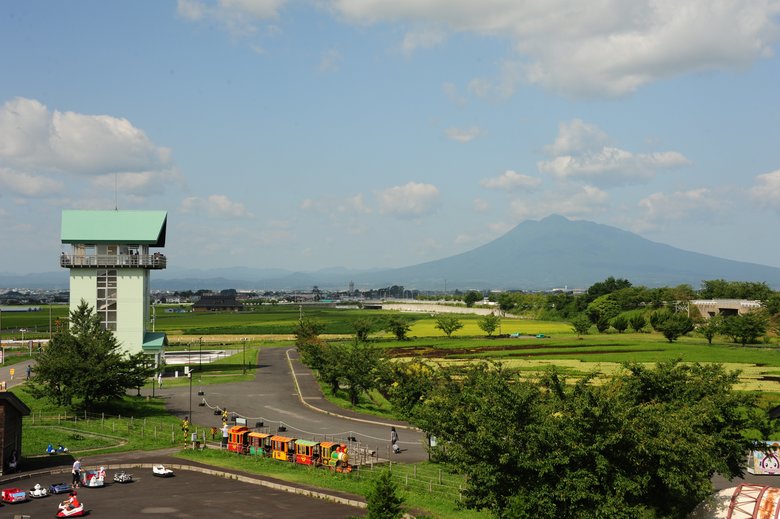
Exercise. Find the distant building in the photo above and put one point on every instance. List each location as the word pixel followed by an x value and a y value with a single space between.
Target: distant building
pixel 110 259
pixel 712 307
pixel 217 303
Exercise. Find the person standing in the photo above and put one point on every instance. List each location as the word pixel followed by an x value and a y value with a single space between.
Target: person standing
pixel 394 440
pixel 76 471
pixel 29 370
pixel 159 379
pixel 224 435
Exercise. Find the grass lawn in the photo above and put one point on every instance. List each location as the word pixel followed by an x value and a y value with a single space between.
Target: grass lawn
pixel 426 487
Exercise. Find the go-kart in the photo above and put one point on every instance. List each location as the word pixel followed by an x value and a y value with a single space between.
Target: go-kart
pixel 66 511
pixel 123 477
pixel 161 472
pixel 59 488
pixel 13 495
pixel 59 450
pixel 93 478
pixel 38 491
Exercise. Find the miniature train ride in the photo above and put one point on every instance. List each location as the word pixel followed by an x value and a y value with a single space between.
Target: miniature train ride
pixel 332 455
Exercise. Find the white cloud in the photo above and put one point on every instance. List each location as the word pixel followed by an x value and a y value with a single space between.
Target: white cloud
pixel 587 201
pixel 510 76
pixel 602 48
pixel 511 181
pixel 463 135
pixel 424 38
pixel 216 206
pixel 28 185
pixel 664 208
pixel 330 61
pixel 34 139
pixel 451 91
pixel 584 155
pixel 576 136
pixel 38 146
pixel 335 206
pixel 143 183
pixel 237 16
pixel 767 189
pixel 481 205
pixel 408 201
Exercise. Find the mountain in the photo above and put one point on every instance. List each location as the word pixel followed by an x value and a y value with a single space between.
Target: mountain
pixel 535 255
pixel 557 252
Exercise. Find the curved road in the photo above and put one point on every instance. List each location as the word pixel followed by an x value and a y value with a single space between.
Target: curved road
pixel 272 398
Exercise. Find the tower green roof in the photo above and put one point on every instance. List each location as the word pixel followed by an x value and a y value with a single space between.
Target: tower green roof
pixel 132 227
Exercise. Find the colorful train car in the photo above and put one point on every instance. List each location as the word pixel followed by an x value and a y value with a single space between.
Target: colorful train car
pixel 238 439
pixel 307 452
pixel 282 448
pixel 260 444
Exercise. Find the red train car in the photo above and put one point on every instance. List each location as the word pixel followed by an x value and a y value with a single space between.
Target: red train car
pixel 238 439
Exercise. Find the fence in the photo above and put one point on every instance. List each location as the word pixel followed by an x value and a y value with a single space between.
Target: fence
pixel 420 479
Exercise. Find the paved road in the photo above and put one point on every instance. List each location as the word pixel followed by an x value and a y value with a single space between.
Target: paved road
pixel 189 494
pixel 272 398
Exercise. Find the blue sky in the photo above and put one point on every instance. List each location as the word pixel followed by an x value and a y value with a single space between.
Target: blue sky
pixel 378 133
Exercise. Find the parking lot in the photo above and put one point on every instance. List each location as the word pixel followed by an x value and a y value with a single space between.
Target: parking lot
pixel 188 494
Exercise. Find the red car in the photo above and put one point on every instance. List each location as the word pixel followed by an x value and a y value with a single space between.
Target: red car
pixel 13 495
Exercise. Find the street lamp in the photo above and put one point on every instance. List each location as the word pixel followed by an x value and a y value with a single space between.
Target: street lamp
pixel 189 375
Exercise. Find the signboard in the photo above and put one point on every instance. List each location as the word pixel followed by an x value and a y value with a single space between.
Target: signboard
pixel 240 421
pixel 765 462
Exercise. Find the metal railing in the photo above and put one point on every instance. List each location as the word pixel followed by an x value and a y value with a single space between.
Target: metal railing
pixel 147 261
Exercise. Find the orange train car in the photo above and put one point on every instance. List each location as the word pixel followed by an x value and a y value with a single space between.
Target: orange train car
pixel 282 448
pixel 260 444
pixel 237 439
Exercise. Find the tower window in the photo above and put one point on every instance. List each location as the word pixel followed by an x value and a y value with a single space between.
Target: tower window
pixel 107 298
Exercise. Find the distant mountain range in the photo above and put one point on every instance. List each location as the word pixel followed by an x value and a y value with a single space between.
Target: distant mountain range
pixel 535 255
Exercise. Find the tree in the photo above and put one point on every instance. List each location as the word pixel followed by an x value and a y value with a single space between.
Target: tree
pixel 637 322
pixel 448 323
pixel 358 366
pixel 472 297
pixel 746 328
pixel 83 364
pixel 644 443
pixel 602 309
pixel 580 324
pixel 676 325
pixel 620 323
pixel 398 326
pixel 489 323
pixel 606 287
pixel 382 499
pixel 710 328
pixel 307 328
pixel 363 326
pixel 505 302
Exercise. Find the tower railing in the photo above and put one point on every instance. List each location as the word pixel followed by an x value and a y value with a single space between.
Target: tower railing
pixel 155 261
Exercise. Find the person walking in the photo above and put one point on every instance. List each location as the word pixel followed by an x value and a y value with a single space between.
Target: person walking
pixel 159 379
pixel 29 370
pixel 76 471
pixel 394 440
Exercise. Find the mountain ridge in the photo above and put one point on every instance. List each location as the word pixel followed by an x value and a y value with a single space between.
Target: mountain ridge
pixel 534 255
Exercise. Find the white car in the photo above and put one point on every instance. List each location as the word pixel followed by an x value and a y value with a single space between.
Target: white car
pixel 161 472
